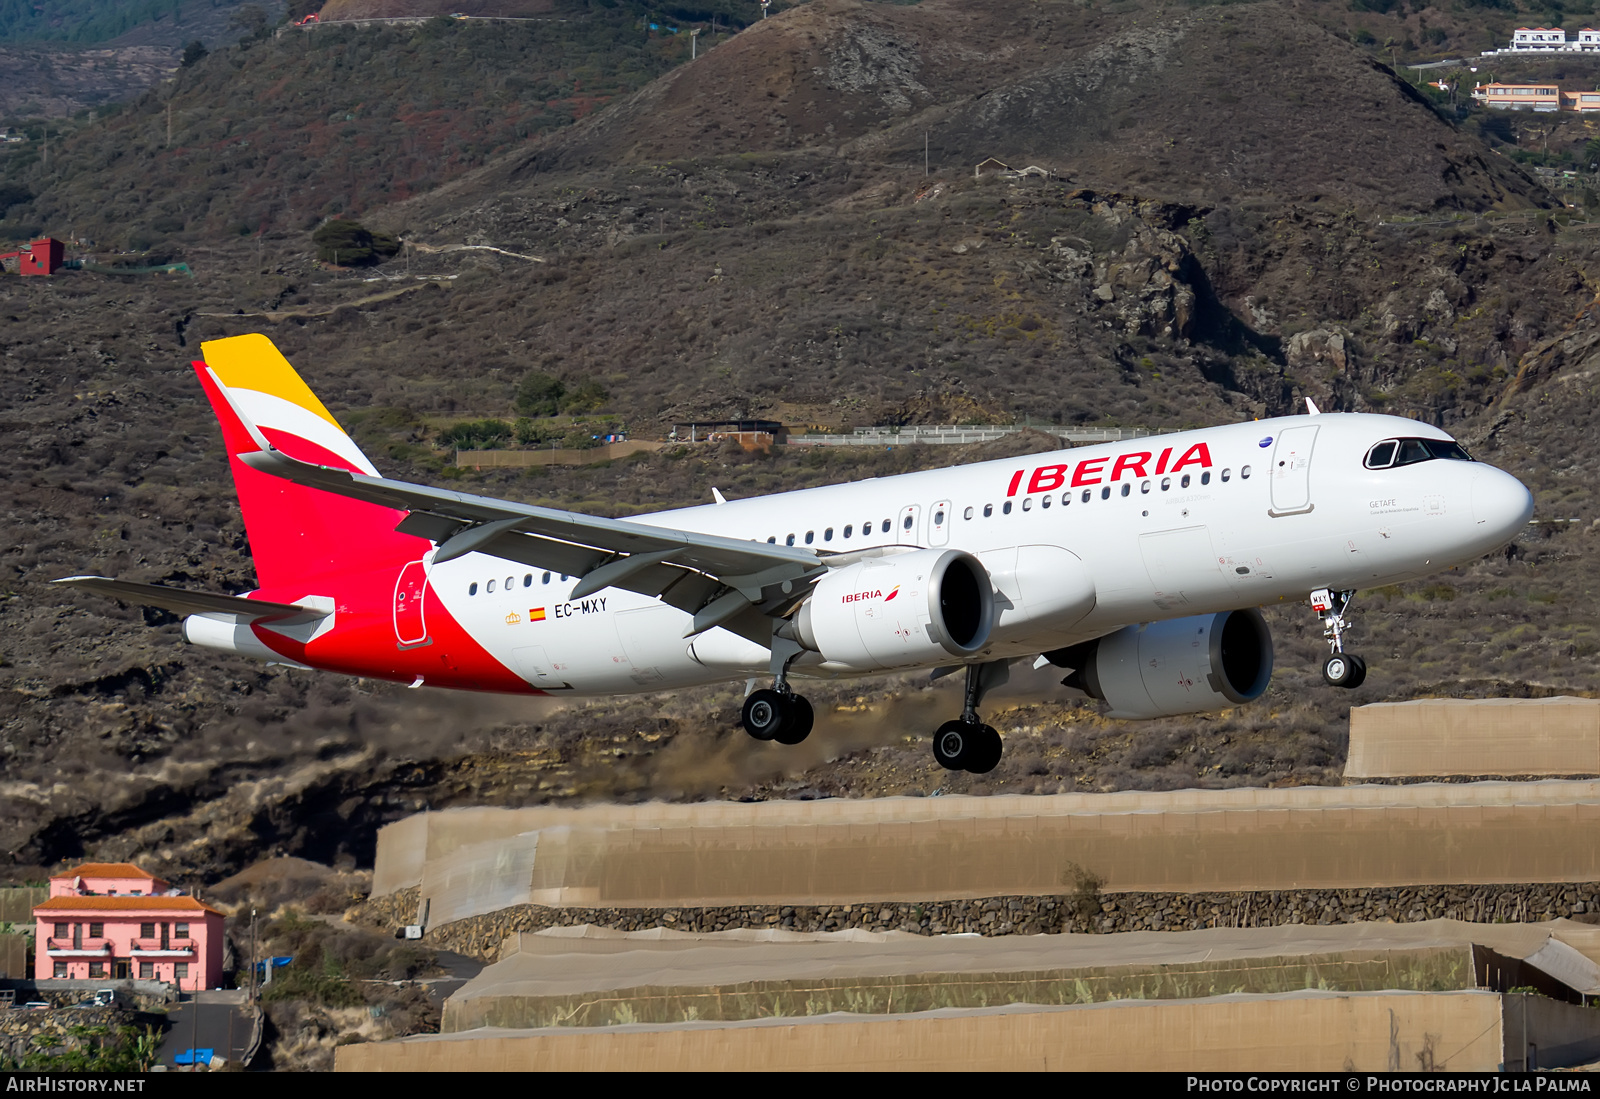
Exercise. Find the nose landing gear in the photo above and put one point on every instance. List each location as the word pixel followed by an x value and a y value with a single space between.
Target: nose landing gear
pixel 968 744
pixel 1341 669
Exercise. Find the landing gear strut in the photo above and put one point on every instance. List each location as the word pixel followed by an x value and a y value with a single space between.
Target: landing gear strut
pixel 1341 669
pixel 968 744
pixel 778 714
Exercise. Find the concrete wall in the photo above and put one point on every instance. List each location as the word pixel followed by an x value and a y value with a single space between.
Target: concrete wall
pixel 922 849
pixel 1308 1032
pixel 1495 736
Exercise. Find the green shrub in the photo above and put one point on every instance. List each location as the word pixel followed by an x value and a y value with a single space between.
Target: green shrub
pixel 350 244
pixel 476 434
pixel 539 394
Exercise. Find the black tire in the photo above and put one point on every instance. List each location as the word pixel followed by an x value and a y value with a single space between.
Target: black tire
pixel 952 744
pixel 1337 670
pixel 1358 674
pixel 765 714
pixel 984 755
pixel 798 727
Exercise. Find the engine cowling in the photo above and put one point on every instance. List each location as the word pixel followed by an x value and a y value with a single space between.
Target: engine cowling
pixel 897 612
pixel 1180 666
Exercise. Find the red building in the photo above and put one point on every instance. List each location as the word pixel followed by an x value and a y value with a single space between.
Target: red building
pixel 44 257
pixel 114 921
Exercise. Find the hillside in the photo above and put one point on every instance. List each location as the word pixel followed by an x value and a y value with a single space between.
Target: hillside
pixel 703 247
pixel 276 137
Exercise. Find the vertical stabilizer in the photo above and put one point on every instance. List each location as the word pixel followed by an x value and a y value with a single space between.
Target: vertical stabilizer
pixel 297 534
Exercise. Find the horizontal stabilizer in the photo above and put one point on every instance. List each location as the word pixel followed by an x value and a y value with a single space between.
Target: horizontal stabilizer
pixel 188 602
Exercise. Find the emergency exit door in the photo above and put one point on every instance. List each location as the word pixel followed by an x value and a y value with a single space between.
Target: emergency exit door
pixel 410 588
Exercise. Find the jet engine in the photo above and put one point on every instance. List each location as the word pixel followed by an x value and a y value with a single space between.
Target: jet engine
pixel 1180 666
pixel 896 612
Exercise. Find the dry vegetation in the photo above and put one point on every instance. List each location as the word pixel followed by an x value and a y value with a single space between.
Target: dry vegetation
pixel 759 264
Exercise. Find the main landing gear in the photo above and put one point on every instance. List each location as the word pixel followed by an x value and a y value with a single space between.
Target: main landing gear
pixel 779 715
pixel 1341 669
pixel 968 744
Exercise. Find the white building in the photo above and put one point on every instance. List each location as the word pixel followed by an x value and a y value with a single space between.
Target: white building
pixel 1550 40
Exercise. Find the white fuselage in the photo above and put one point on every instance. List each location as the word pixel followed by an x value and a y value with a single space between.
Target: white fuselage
pixel 1155 528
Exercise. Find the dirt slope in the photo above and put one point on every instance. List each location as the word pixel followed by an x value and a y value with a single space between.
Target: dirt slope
pixel 1224 103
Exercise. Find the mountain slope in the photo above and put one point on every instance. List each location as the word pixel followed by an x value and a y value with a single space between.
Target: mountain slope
pixel 1234 102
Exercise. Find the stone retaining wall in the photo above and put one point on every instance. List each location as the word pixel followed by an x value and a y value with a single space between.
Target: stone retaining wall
pixel 481 936
pixel 59 1028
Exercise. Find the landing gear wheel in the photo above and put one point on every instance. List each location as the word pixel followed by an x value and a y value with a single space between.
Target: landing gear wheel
pixel 798 727
pixel 1360 675
pixel 1344 670
pixel 952 744
pixel 765 714
pixel 983 755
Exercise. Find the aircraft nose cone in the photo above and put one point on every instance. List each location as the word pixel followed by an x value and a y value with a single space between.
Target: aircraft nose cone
pixel 1501 504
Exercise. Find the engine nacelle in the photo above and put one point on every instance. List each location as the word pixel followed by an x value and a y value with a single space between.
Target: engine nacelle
pixel 897 612
pixel 1180 666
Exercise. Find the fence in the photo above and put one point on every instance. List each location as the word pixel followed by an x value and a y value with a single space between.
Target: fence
pixel 952 435
pixel 493 459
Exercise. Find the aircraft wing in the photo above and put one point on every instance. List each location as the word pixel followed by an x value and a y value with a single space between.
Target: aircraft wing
pixel 189 602
pixel 714 578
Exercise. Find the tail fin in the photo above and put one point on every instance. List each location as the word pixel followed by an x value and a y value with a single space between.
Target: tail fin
pixel 297 534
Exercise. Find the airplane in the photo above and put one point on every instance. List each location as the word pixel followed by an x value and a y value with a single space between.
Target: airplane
pixel 1139 567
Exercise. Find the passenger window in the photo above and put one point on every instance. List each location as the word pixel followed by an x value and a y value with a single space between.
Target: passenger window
pixel 886 525
pixel 489 587
pixel 827 535
pixel 907 522
pixel 938 517
pixel 1006 507
pixel 988 510
pixel 1205 478
pixel 472 588
pixel 546 578
pixel 811 536
pixel 1225 475
pixel 1185 482
pixel 967 514
pixel 789 541
pixel 1105 493
pixel 1066 498
pixel 1244 473
pixel 1144 486
pixel 527 581
pixel 1086 494
pixel 1044 501
pixel 511 582
pixel 773 540
pixel 848 528
pixel 1027 503
pixel 1166 483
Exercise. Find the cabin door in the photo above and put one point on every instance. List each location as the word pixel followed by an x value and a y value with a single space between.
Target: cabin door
pixel 1291 472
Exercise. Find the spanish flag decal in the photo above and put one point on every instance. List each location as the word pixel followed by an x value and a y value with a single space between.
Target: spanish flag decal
pixel 535 614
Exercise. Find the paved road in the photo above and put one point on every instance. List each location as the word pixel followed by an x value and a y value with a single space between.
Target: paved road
pixel 209 1024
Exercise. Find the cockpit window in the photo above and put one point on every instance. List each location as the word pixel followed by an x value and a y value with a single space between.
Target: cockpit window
pixel 1382 455
pixel 1405 452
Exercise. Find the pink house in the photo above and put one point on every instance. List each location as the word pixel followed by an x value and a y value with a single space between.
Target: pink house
pixel 114 921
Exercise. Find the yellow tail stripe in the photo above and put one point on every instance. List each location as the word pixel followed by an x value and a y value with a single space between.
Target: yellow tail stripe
pixel 252 362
